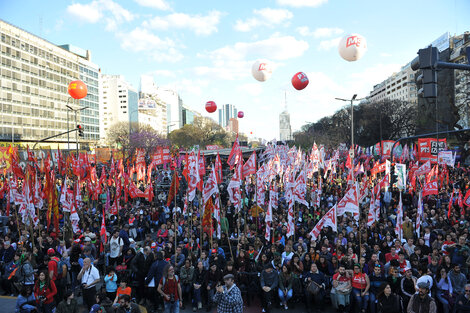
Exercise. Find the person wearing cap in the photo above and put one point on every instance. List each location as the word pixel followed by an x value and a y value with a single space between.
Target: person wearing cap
pixel 422 302
pixel 269 280
pixel 228 298
pixel 407 286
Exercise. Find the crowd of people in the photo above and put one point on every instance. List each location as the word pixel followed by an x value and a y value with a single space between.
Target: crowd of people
pixel 159 257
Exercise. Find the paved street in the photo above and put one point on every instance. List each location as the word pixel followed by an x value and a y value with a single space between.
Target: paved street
pixel 7 305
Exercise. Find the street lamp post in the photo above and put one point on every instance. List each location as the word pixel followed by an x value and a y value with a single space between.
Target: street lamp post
pixel 351 152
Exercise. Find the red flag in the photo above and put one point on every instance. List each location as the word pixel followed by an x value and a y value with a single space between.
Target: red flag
pixel 218 168
pixel 175 184
pixel 430 188
pixel 249 167
pixel 349 163
pixel 103 233
pixel 466 199
pixel 449 210
pixel 234 156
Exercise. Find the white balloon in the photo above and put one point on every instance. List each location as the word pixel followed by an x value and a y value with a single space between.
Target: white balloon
pixel 352 47
pixel 261 70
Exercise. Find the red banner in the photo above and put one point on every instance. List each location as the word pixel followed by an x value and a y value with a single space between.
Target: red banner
pixel 157 157
pixel 166 155
pixel 428 149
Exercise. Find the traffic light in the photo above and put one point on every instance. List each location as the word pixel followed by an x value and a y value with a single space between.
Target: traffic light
pixel 427 61
pixel 80 130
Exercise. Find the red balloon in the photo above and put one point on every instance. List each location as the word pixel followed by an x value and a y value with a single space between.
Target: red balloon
pixel 211 107
pixel 77 89
pixel 241 114
pixel 300 81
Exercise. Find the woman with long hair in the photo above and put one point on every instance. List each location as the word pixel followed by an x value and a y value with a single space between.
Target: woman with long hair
pixel 388 302
pixel 285 290
pixel 44 292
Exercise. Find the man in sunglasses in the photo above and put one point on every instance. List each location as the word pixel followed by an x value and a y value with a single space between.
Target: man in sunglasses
pixel 462 305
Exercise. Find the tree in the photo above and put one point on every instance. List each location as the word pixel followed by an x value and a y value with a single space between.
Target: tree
pixel 204 131
pixel 141 136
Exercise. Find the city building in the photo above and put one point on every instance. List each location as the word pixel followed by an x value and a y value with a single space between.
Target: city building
pixel 226 112
pixel 285 131
pixel 119 102
pixel 152 112
pixel 399 86
pixel 233 125
pixel 461 79
pixel 35 75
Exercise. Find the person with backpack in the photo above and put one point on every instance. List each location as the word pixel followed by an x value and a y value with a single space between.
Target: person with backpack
pixel 116 245
pixel 57 273
pixel 169 287
pixel 8 277
pixel 25 273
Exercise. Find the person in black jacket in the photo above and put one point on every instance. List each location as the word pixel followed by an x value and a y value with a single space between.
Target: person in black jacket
pixel 199 278
pixel 314 276
pixel 269 280
pixel 154 275
pixel 140 267
pixel 388 302
pixel 213 278
pixel 462 304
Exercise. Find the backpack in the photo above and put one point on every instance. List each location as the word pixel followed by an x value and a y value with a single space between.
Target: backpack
pixel 60 265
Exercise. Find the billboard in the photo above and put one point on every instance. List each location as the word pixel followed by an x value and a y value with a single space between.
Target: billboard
pixel 147 104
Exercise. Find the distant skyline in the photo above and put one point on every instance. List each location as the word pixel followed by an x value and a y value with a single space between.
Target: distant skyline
pixel 204 49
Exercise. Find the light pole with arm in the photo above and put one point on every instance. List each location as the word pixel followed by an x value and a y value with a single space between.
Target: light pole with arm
pixel 351 152
pixel 76 134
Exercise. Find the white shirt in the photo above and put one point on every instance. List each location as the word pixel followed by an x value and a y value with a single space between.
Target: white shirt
pixel 115 247
pixel 90 275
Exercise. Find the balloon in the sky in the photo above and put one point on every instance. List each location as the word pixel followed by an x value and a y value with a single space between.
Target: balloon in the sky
pixel 77 89
pixel 261 70
pixel 352 47
pixel 211 107
pixel 300 81
pixel 240 114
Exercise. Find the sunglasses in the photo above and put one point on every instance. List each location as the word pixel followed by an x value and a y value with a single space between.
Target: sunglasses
pixel 467 290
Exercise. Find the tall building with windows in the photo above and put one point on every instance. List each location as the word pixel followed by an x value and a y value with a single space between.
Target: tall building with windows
pixel 119 102
pixel 226 112
pixel 285 131
pixel 35 74
pixel 399 86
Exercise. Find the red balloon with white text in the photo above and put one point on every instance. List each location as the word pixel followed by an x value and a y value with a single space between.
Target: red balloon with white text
pixel 300 81
pixel 241 114
pixel 211 107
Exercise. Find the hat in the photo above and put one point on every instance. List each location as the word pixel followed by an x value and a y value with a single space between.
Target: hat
pixel 214 251
pixel 407 269
pixel 423 284
pixel 50 251
pixel 87 239
pixel 95 308
pixel 153 245
pixel 229 276
pixel 77 240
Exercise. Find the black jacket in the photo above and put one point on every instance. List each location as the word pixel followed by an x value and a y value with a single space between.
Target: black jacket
pixel 156 272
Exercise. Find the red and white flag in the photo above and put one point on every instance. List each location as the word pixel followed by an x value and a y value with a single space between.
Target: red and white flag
pixel 300 189
pixel 193 175
pixel 210 187
pixel 350 202
pixel 374 208
pixel 430 188
pixel 423 169
pixel 290 214
pixel 466 199
pixel 235 153
pixel 399 224
pixel 218 168
pixel 217 214
pixel 234 188
pixel 329 219
pixel 419 215
pixel 103 233
pixel 249 167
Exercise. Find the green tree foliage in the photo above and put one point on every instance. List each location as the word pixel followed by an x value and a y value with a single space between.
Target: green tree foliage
pixel 373 121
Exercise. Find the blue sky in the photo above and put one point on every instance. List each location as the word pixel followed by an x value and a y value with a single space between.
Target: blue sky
pixel 205 49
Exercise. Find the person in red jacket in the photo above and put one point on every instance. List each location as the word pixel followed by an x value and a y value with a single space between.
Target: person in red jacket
pixel 44 292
